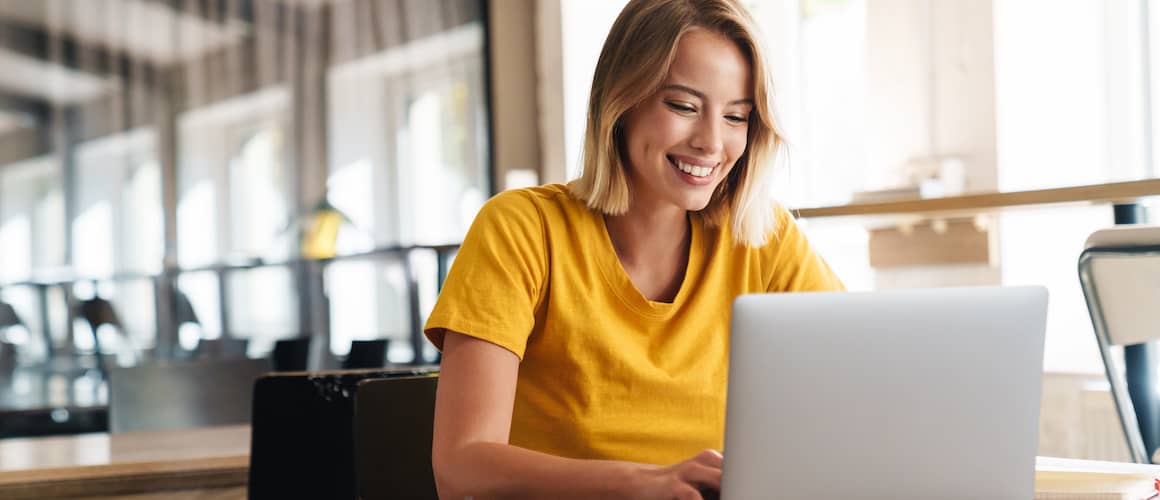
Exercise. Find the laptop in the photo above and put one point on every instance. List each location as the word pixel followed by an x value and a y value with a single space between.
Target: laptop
pixel 394 422
pixel 915 394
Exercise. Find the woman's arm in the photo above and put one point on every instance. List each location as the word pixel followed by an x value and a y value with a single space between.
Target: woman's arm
pixel 471 457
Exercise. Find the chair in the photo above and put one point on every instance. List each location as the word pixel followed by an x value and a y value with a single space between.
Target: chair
pixel 7 361
pixel 1118 270
pixel 291 355
pixel 182 395
pixel 302 442
pixel 8 316
pixel 221 348
pixel 8 319
pixel 394 424
pixel 366 354
pixel 97 312
pixel 183 311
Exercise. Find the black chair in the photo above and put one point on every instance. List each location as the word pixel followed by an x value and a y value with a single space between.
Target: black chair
pixel 7 362
pixel 366 354
pixel 8 319
pixel 97 312
pixel 394 423
pixel 290 355
pixel 183 311
pixel 302 442
pixel 8 316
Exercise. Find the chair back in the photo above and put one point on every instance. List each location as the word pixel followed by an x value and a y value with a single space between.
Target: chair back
pixel 302 433
pixel 222 348
pixel 1118 269
pixel 291 355
pixel 366 354
pixel 97 311
pixel 182 395
pixel 8 316
pixel 394 424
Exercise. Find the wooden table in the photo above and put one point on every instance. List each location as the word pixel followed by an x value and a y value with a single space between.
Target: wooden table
pixel 204 464
pixel 213 464
pixel 1063 478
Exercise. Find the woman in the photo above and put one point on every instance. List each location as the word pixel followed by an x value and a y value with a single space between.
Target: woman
pixel 584 327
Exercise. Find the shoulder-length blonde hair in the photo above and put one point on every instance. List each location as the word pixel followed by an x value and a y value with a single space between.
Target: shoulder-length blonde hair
pixel 633 65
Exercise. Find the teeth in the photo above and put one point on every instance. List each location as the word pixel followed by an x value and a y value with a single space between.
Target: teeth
pixel 693 170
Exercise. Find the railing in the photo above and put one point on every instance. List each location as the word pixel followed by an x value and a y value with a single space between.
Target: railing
pixel 309 277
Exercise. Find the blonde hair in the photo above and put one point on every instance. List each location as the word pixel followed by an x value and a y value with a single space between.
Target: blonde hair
pixel 633 65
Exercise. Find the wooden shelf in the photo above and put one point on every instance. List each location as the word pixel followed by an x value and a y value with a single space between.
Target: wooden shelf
pixel 975 203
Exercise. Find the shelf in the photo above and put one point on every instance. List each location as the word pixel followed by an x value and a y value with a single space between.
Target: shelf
pixel 975 203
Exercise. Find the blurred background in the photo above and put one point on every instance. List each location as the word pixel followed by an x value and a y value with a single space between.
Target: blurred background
pixel 201 179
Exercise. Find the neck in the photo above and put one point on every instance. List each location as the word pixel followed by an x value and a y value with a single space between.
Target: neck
pixel 649 235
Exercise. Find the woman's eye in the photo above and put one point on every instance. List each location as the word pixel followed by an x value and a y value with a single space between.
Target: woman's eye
pixel 683 108
pixel 736 119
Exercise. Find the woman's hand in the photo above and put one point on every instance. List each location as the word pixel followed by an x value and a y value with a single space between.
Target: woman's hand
pixel 682 481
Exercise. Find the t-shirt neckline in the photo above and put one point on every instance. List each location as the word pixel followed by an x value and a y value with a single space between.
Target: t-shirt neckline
pixel 622 286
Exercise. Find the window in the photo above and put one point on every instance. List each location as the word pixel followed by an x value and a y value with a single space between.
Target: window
pixel 233 182
pixel 118 227
pixel 234 206
pixel 31 218
pixel 408 165
pixel 259 211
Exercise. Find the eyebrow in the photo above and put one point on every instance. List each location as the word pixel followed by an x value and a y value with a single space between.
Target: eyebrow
pixel 701 95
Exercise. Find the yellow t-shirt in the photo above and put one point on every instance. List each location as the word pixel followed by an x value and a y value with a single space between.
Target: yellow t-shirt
pixel 604 372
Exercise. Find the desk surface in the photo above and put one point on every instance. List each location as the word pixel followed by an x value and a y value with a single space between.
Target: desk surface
pixel 215 462
pixel 213 458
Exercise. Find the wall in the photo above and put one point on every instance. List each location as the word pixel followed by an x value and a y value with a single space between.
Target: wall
pixel 514 89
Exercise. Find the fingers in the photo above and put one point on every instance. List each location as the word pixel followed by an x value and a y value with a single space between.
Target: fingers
pixel 686 492
pixel 699 474
pixel 712 458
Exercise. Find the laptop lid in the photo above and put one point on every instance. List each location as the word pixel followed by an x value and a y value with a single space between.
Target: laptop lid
pixel 394 423
pixel 914 394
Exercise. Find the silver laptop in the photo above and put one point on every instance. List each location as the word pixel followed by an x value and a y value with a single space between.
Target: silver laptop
pixel 917 394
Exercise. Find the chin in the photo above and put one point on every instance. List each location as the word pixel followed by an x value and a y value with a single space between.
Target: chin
pixel 696 203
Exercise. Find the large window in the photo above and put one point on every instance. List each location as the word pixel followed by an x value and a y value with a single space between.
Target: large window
pixel 235 207
pixel 234 183
pixel 118 231
pixel 31 240
pixel 31 218
pixel 399 159
pixel 408 165
pixel 118 226
pixel 938 98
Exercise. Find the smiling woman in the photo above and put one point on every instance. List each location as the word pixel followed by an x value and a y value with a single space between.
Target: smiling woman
pixel 584 326
pixel 701 133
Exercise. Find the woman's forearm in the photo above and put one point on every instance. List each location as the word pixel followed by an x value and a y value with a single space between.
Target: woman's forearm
pixel 487 471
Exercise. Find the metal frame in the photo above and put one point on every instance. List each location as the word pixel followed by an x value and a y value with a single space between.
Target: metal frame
pixel 443 255
pixel 1116 378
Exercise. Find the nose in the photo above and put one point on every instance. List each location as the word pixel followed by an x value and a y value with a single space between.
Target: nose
pixel 707 136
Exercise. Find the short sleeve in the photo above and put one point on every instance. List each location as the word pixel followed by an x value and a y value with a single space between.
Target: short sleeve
pixel 797 267
pixel 498 277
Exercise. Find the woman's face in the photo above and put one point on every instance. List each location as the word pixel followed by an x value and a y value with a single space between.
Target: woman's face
pixel 683 140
